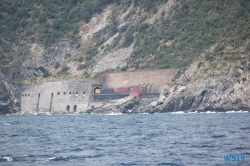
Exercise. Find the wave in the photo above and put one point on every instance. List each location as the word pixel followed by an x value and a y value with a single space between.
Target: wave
pixel 193 112
pixel 9 159
pixel 112 113
pixel 45 160
pixel 241 111
pixel 211 112
pixel 178 112
pixel 7 124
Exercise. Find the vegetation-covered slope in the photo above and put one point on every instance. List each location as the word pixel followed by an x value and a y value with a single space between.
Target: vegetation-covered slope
pixel 214 32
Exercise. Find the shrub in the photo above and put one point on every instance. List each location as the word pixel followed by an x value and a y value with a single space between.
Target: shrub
pixel 124 68
pixel 57 65
pixel 129 38
pixel 65 69
pixel 46 74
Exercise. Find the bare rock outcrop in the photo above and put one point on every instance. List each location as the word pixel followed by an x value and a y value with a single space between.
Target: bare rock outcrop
pixel 124 105
pixel 8 104
pixel 219 94
pixel 42 59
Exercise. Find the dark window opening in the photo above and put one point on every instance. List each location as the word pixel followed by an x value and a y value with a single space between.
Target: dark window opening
pixel 58 93
pixel 83 92
pixel 69 92
pixel 22 94
pixel 64 93
pixel 28 94
pixel 76 92
pixel 67 108
pixel 74 108
pixel 25 94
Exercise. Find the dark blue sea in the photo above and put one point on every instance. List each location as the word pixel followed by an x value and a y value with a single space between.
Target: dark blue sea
pixel 180 139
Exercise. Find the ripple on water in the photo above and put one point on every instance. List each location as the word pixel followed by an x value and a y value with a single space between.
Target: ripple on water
pixel 152 139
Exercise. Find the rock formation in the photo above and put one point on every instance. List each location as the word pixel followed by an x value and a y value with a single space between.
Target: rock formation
pixel 8 104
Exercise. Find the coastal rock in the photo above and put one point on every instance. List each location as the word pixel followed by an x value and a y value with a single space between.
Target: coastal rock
pixel 124 105
pixel 7 104
pixel 220 94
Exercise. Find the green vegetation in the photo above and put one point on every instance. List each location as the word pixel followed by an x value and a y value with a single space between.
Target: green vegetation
pixel 46 74
pixel 215 32
pixel 192 28
pixel 42 21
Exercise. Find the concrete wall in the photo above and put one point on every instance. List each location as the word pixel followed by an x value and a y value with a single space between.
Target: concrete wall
pixel 31 102
pixel 108 97
pixel 153 80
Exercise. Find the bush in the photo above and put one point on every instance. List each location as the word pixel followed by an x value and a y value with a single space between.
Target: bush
pixel 65 69
pixel 209 56
pixel 82 66
pixel 199 64
pixel 46 74
pixel 124 68
pixel 57 65
pixel 129 38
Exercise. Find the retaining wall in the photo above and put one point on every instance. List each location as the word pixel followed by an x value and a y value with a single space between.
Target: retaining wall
pixel 55 97
pixel 152 80
pixel 108 97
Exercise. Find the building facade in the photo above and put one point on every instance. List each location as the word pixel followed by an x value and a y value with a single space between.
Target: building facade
pixel 55 97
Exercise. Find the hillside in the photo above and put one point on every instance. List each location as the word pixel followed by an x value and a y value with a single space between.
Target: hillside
pixel 77 39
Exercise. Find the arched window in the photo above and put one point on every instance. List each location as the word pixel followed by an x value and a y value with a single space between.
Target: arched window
pixel 68 108
pixel 74 108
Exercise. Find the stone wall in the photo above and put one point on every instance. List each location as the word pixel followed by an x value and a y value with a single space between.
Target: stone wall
pixel 55 97
pixel 153 80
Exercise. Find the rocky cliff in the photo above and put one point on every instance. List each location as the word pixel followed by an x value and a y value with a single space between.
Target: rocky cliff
pixel 214 94
pixel 8 103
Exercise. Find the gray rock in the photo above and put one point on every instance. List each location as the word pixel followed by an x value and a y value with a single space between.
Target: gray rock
pixel 220 94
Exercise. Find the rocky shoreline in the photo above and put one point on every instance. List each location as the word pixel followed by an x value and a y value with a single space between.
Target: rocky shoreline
pixel 221 94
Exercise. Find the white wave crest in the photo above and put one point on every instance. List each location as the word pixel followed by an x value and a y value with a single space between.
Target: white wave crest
pixel 45 160
pixel 9 159
pixel 241 111
pixel 178 112
pixel 211 112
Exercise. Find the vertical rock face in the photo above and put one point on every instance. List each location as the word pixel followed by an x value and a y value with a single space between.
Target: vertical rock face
pixel 7 102
pixel 222 93
pixel 42 60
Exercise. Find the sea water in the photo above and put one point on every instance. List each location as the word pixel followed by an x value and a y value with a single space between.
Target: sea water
pixel 180 139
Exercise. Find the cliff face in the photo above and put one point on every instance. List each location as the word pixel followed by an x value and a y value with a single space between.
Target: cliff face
pixel 193 91
pixel 41 60
pixel 214 94
pixel 8 104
